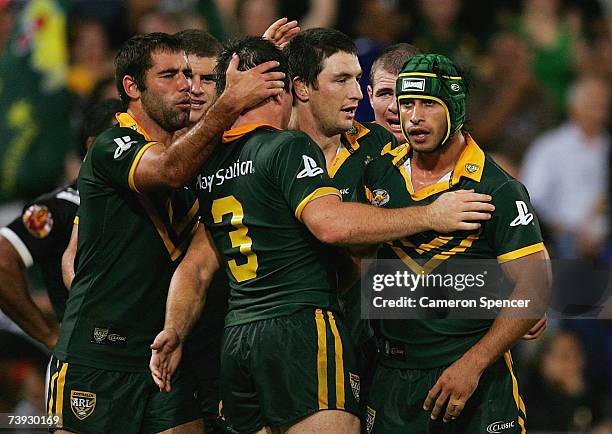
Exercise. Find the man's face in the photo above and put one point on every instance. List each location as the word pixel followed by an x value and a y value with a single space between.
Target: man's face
pixel 424 123
pixel 203 91
pixel 383 102
pixel 166 97
pixel 334 102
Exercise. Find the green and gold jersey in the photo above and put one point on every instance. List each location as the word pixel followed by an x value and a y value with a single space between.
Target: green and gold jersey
pixel 358 146
pixel 129 244
pixel 252 191
pixel 511 233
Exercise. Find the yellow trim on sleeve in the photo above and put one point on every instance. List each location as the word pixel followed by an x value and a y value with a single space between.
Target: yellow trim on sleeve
pixel 76 220
pixel 321 359
pixel 319 192
pixel 135 164
pixel 519 253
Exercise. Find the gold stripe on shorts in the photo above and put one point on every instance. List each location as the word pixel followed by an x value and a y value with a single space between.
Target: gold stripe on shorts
pixel 517 398
pixel 61 382
pixel 339 362
pixel 321 359
pixel 51 389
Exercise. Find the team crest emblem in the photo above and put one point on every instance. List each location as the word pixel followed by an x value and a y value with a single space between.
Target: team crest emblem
pixel 370 416
pixel 38 220
pixel 355 385
pixel 99 334
pixel 472 168
pixel 82 403
pixel 379 197
pixel 352 131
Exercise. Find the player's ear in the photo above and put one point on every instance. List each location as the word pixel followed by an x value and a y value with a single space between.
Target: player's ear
pixel 370 92
pixel 300 89
pixel 130 87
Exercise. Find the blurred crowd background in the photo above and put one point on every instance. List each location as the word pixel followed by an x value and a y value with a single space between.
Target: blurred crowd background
pixel 540 73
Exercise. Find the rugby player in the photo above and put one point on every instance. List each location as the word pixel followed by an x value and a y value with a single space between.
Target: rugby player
pixel 451 375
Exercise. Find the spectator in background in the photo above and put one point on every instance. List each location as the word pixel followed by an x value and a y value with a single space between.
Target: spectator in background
pixel 566 172
pixel 438 30
pixel 378 24
pixel 90 55
pixel 381 90
pixel 513 108
pixel 557 392
pixel 556 42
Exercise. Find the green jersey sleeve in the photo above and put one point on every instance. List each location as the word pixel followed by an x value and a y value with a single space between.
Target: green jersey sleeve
pixel 115 155
pixel 513 230
pixel 298 168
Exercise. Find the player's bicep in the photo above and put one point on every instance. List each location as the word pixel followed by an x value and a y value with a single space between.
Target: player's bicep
pixel 145 173
pixel 68 269
pixel 531 276
pixel 320 214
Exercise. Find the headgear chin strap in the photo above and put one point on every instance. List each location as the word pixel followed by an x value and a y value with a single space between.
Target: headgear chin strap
pixel 435 77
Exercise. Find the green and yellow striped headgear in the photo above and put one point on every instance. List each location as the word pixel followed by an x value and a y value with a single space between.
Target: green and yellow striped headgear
pixel 434 76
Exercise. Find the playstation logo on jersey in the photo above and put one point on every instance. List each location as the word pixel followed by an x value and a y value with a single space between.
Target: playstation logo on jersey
pixel 310 168
pixel 524 217
pixel 123 144
pixel 379 197
pixel 413 84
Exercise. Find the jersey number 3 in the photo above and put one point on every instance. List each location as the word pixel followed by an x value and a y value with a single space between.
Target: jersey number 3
pixel 239 237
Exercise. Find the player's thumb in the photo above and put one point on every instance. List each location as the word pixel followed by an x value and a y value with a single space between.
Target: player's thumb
pixel 233 64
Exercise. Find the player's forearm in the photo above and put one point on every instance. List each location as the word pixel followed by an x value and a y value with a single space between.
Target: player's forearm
pixel 17 304
pixel 512 323
pixel 186 299
pixel 354 224
pixel 184 157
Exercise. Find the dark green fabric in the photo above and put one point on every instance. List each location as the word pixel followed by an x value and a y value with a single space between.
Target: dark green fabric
pixel 270 370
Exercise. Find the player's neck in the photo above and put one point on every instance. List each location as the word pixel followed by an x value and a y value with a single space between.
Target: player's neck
pixel 152 128
pixel 428 168
pixel 266 114
pixel 303 120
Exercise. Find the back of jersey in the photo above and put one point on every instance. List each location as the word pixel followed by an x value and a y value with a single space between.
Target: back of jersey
pixel 252 194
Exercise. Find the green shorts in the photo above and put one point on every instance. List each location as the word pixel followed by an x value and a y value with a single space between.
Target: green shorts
pixel 396 402
pixel 90 400
pixel 277 371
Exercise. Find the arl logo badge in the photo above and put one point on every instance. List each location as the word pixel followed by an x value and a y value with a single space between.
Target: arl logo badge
pixel 370 416
pixel 472 168
pixel 82 403
pixel 413 84
pixel 355 385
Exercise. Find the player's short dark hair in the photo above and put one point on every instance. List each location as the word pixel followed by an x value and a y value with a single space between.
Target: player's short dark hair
pixel 253 51
pixel 199 43
pixel 134 58
pixel 96 118
pixel 393 58
pixel 308 50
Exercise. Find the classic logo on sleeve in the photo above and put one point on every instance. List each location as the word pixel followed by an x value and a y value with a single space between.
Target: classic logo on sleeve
pixel 123 144
pixel 82 403
pixel 524 217
pixel 310 168
pixel 499 427
pixel 38 220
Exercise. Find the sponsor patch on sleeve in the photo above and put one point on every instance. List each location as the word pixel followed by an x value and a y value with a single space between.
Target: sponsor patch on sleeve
pixel 38 220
